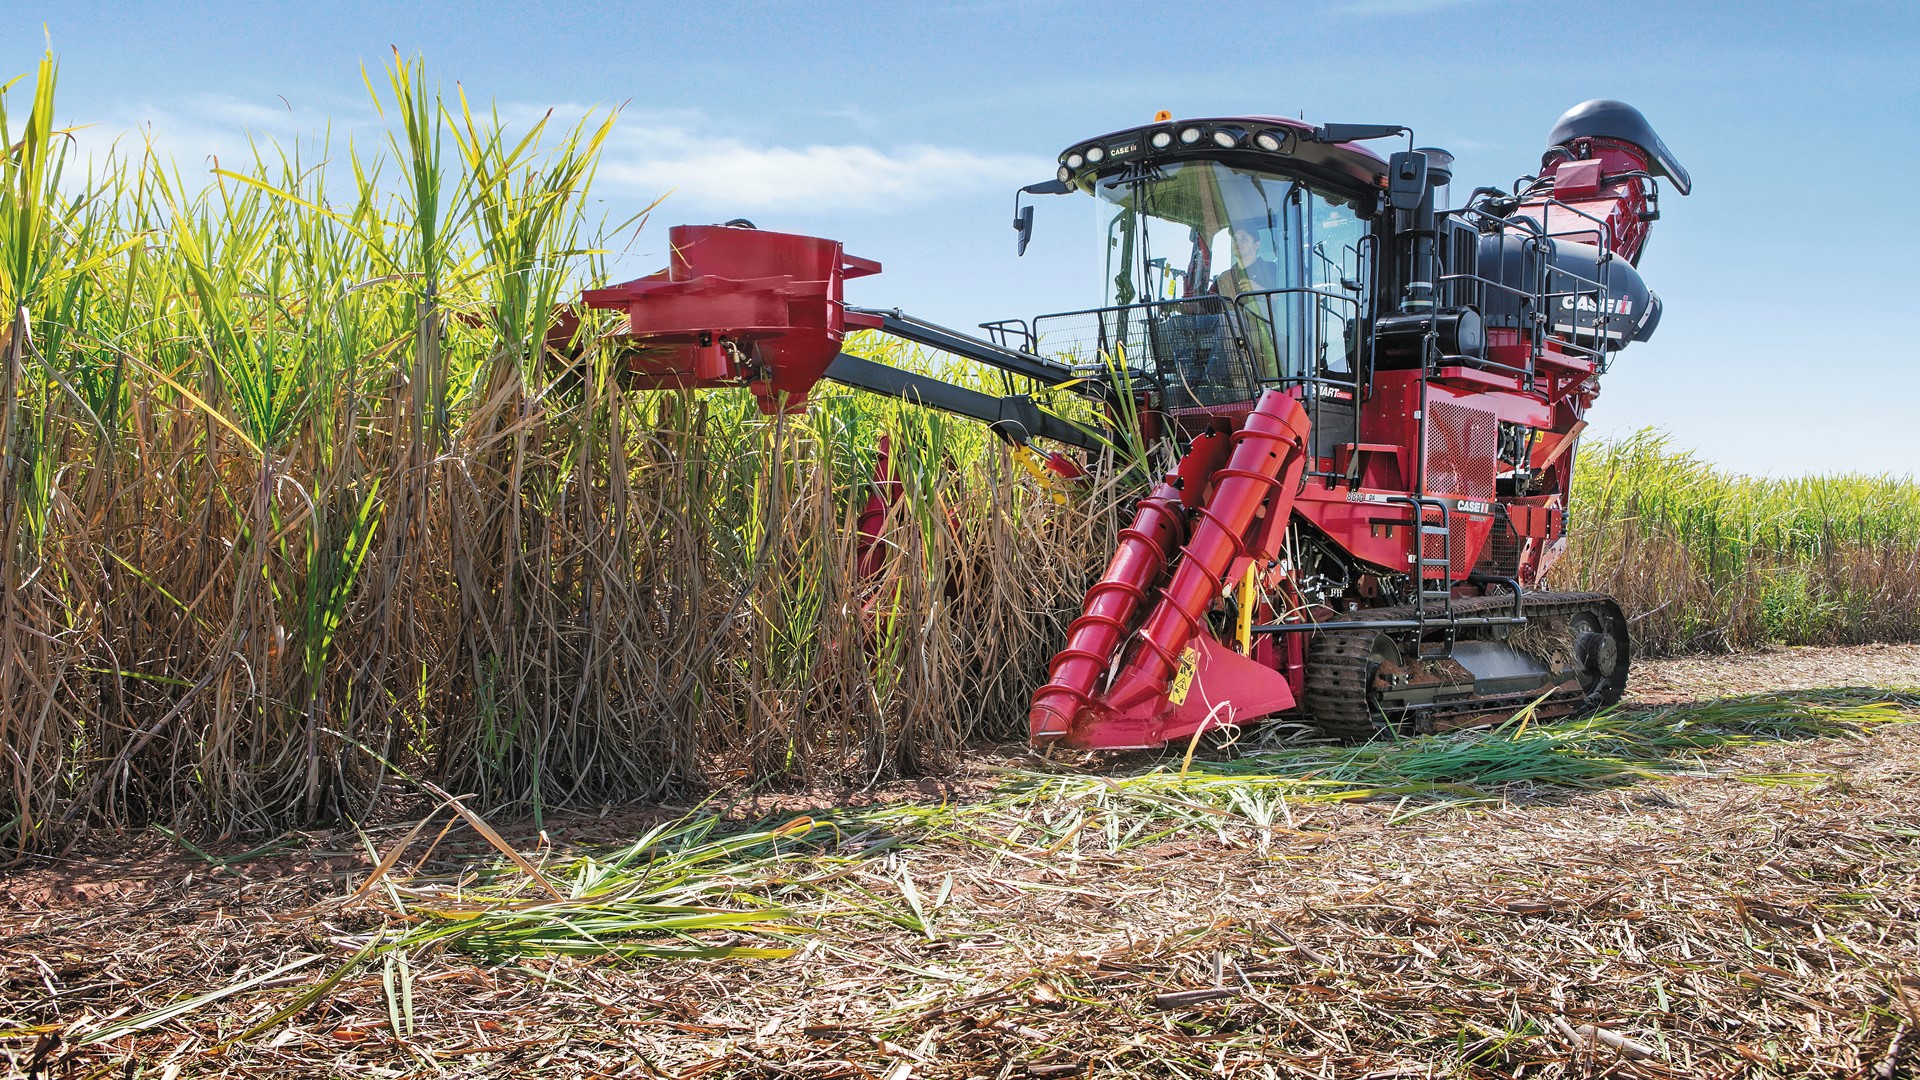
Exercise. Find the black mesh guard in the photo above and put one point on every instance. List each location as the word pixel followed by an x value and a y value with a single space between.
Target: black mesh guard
pixel 1193 351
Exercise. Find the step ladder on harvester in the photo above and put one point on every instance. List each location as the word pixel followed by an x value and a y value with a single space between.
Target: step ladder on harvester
pixel 1433 602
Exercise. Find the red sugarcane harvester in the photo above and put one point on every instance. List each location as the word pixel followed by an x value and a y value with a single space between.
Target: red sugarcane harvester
pixel 1370 405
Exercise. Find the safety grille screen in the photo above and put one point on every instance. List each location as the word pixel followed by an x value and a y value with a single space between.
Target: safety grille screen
pixel 1501 556
pixel 1461 443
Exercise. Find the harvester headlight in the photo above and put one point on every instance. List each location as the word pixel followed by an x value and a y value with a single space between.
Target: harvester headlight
pixel 1190 136
pixel 1074 160
pixel 1096 154
pixel 1161 140
pixel 1226 138
pixel 1267 141
pixel 1065 174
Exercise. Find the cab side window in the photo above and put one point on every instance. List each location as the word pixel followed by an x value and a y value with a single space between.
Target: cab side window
pixel 1338 272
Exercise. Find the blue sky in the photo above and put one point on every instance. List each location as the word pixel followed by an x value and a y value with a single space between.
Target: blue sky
pixel 1791 276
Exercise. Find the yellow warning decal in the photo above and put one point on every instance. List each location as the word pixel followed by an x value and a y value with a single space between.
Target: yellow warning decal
pixel 1183 679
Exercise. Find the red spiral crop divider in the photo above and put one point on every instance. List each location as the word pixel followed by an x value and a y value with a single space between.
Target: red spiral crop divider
pixel 1266 449
pixel 1139 558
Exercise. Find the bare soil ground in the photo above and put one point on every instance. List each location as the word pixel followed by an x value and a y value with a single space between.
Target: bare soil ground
pixel 1767 670
pixel 1757 916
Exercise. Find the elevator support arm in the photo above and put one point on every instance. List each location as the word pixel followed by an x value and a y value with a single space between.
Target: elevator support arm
pixel 1011 361
pixel 1014 418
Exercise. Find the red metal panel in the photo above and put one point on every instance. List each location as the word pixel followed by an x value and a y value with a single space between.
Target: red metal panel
pixel 1462 443
pixel 740 306
pixel 1577 180
pixel 1538 522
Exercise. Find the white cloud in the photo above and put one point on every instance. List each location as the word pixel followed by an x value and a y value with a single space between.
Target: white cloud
pixel 727 173
pixel 198 130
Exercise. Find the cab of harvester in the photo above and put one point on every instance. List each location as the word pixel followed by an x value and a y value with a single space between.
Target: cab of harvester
pixel 1367 395
pixel 1236 254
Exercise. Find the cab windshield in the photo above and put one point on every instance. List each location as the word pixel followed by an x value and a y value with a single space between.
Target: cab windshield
pixel 1288 258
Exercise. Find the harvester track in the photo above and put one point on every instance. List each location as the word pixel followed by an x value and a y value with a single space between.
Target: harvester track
pixel 1343 665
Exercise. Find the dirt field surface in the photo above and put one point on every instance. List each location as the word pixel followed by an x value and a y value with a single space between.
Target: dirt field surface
pixel 1773 670
pixel 1710 884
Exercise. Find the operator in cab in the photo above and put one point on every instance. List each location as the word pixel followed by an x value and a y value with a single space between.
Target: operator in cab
pixel 1250 272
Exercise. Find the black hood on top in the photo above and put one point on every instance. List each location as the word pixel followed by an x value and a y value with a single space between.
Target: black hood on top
pixel 1602 118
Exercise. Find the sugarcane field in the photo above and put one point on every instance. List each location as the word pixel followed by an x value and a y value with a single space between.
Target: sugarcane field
pixel 579 543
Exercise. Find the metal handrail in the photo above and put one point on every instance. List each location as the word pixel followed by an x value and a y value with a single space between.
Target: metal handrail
pixel 1317 388
pixel 1151 370
pixel 1539 301
pixel 1235 306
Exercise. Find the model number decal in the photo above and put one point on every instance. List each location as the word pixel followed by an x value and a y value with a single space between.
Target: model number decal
pixel 1458 506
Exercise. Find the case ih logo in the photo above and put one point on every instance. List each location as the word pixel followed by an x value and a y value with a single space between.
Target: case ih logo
pixel 1619 305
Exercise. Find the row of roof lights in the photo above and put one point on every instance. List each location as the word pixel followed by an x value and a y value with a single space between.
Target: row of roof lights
pixel 1225 138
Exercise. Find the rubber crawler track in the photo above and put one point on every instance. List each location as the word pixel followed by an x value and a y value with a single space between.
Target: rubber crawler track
pixel 1339 699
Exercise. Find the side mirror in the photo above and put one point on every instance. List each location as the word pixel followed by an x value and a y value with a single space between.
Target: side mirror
pixel 1406 179
pixel 1023 215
